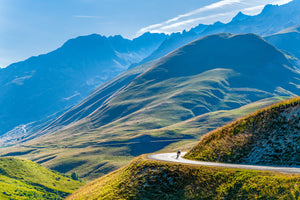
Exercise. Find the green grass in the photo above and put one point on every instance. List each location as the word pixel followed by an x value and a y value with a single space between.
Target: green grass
pixel 23 179
pixel 273 129
pixel 81 153
pixel 146 179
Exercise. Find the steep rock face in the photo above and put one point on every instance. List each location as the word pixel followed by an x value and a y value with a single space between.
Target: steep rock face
pixel 280 144
pixel 270 136
pixel 43 85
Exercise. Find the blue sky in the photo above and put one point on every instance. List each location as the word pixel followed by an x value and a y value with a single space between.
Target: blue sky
pixel 33 27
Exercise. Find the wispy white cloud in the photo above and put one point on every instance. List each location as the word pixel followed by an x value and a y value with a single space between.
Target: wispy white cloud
pixel 170 22
pixel 223 11
pixel 4 61
pixel 253 10
pixel 183 24
pixel 87 16
pixel 205 8
pixel 281 2
pixel 256 9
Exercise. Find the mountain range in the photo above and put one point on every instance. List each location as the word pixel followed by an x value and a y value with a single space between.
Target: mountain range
pixel 149 108
pixel 263 24
pixel 41 86
pixel 30 93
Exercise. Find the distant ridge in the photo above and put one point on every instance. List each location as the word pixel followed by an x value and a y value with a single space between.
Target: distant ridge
pixel 263 24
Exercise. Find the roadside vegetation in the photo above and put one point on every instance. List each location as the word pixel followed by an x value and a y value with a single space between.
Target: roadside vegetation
pixel 146 179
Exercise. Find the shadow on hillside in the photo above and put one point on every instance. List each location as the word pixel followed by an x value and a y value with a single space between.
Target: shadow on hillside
pixel 18 153
pixel 144 144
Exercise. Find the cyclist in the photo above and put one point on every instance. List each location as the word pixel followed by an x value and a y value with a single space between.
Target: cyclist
pixel 178 154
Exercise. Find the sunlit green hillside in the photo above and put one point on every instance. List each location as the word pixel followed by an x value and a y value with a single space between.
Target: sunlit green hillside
pixel 269 136
pixel 23 179
pixel 145 179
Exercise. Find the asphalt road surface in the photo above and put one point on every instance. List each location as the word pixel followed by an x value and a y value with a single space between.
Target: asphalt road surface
pixel 171 157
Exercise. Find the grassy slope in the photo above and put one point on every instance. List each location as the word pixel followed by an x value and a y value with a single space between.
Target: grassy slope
pixel 23 179
pixel 144 179
pixel 90 160
pixel 268 136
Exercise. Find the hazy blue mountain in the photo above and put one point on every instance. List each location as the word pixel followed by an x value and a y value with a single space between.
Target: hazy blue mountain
pixel 272 19
pixel 150 107
pixel 239 17
pixel 40 86
pixel 174 41
pixel 287 40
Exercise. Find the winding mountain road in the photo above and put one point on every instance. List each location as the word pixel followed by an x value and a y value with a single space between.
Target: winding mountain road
pixel 171 157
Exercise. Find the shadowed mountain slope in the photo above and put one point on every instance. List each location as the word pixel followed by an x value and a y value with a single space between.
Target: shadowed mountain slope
pixel 99 97
pixel 287 40
pixel 40 86
pixel 269 136
pixel 174 41
pixel 147 109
